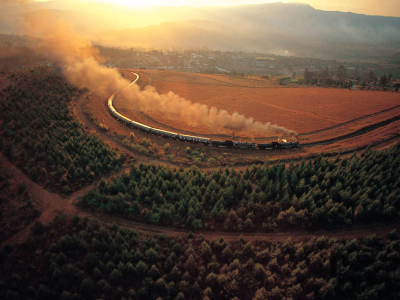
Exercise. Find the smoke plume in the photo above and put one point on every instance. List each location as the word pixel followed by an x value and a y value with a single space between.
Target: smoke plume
pixel 174 107
pixel 14 1
pixel 79 63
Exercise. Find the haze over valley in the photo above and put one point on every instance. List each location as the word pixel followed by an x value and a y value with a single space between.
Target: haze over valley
pixel 213 151
pixel 277 28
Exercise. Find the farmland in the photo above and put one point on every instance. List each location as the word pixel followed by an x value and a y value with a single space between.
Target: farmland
pixel 255 208
pixel 318 115
pixel 303 109
pixel 95 205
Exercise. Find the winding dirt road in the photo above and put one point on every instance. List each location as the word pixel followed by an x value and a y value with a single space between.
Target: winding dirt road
pixel 77 109
pixel 51 204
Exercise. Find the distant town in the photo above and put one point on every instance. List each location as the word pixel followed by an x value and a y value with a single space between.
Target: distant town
pixel 249 64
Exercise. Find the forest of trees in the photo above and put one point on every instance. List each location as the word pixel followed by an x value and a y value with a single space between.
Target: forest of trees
pixel 39 134
pixel 80 259
pixel 321 193
pixel 341 78
pixel 17 209
pixel 325 77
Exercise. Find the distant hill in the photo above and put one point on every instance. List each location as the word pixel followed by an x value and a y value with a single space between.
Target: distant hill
pixel 281 28
pixel 291 29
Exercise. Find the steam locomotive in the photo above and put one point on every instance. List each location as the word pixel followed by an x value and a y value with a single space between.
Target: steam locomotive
pixel 199 139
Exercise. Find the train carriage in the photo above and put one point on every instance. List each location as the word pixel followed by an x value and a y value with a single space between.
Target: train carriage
pixel 289 145
pixel 203 140
pixel 244 145
pixel 266 146
pixel 199 139
pixel 140 126
pixel 164 132
pixel 196 139
pixel 227 144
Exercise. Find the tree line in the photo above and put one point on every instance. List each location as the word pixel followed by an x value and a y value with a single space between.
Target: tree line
pixel 341 78
pixel 325 77
pixel 323 193
pixel 17 208
pixel 88 260
pixel 39 134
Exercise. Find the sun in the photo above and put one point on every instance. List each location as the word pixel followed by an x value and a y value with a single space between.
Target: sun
pixel 137 3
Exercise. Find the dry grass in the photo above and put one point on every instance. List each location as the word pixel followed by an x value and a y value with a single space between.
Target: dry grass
pixel 183 78
pixel 302 109
pixel 334 112
pixel 254 81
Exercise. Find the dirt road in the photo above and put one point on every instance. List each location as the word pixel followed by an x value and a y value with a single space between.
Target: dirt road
pixel 78 111
pixel 51 204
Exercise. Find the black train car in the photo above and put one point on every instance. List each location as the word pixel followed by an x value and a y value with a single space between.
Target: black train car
pixel 227 144
pixel 289 145
pixel 267 146
pixel 244 145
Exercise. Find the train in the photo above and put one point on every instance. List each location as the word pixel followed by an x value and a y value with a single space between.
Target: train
pixel 198 139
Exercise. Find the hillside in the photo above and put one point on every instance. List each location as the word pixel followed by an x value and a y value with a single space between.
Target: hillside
pixel 285 29
pixel 54 247
pixel 280 28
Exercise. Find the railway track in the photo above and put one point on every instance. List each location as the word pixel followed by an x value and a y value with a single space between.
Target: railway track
pixel 356 133
pixel 333 140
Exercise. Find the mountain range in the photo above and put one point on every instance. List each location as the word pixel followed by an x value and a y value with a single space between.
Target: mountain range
pixel 280 28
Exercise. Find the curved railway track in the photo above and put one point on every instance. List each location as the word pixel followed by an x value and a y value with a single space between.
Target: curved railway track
pixel 328 141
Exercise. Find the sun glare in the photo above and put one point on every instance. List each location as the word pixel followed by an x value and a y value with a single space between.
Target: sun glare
pixel 137 3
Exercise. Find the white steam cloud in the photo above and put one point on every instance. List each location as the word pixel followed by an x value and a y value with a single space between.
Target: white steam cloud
pixel 80 62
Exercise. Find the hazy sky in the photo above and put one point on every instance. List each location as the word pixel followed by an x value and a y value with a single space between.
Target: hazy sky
pixel 370 7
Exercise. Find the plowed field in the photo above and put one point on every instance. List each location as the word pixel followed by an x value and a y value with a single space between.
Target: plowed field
pixel 327 119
